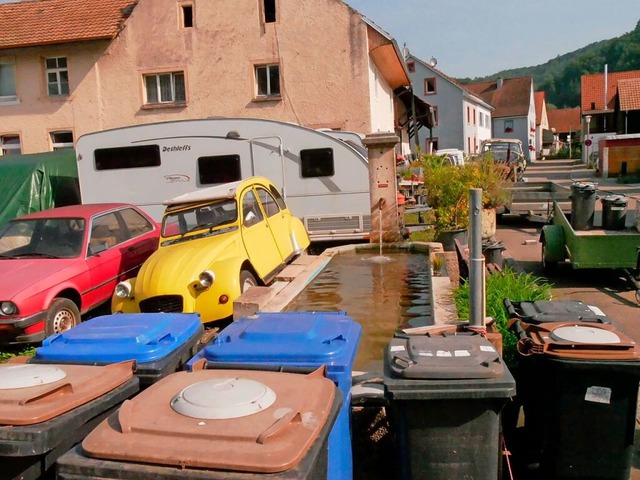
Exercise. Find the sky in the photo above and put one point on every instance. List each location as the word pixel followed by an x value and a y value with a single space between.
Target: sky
pixel 475 38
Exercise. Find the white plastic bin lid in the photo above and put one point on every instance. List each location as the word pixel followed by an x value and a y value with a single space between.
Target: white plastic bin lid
pixel 223 398
pixel 584 334
pixel 24 376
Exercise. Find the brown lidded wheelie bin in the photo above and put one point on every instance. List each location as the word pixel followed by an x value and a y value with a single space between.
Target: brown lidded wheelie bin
pixel 47 409
pixel 214 424
pixel 579 383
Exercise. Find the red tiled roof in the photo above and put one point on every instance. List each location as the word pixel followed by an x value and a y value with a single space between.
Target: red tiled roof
pixel 629 94
pixel 510 100
pixel 592 89
pixel 538 98
pixel 45 22
pixel 564 120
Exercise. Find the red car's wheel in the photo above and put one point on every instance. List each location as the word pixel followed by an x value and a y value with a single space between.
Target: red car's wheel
pixel 63 314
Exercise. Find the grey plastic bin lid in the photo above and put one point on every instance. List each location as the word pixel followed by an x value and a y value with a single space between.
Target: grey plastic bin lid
pixel 455 356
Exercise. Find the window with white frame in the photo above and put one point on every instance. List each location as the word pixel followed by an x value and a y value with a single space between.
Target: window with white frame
pixel 268 80
pixel 7 81
pixel 57 76
pixel 61 140
pixel 10 145
pixel 164 88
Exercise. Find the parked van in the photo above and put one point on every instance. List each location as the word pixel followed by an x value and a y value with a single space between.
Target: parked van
pixel 453 155
pixel 324 176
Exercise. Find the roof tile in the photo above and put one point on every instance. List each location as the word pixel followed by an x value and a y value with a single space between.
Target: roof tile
pixel 512 99
pixel 629 94
pixel 592 89
pixel 45 22
pixel 564 120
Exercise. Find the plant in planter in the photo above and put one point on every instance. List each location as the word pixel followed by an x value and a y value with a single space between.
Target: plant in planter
pixel 446 189
pixel 447 186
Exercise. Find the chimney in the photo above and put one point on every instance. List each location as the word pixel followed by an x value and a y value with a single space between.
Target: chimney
pixel 606 85
pixel 499 83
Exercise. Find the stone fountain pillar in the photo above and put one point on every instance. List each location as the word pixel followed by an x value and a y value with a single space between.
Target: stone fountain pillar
pixel 383 187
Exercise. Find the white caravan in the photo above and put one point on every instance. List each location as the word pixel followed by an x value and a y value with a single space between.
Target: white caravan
pixel 324 179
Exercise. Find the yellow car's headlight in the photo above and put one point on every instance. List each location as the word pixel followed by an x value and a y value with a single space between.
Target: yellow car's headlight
pixel 206 278
pixel 123 290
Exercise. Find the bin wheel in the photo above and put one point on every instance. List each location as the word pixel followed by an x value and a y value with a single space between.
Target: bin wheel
pixel 547 265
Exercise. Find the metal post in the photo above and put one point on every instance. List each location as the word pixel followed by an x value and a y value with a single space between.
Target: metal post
pixel 477 297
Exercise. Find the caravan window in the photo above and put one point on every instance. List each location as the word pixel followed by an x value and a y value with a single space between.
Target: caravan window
pixel 316 162
pixel 219 169
pixel 127 157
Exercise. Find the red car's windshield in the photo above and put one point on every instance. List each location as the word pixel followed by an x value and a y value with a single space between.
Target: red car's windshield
pixel 43 237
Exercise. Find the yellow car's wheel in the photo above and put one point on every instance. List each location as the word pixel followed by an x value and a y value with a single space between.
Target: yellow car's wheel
pixel 247 280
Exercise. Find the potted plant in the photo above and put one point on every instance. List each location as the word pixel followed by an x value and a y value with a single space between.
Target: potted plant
pixel 446 187
pixel 492 179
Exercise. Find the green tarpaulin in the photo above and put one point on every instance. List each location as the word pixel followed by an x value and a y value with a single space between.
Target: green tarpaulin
pixel 30 183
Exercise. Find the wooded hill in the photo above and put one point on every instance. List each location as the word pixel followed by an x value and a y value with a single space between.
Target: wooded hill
pixel 560 78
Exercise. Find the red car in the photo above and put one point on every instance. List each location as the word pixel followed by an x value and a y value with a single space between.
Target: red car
pixel 60 263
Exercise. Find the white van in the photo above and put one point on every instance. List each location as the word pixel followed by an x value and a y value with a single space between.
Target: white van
pixel 455 156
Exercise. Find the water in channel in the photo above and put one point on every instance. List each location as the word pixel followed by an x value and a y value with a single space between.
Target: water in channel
pixel 381 296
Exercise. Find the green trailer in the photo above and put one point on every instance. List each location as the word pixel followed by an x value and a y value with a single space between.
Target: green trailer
pixel 593 248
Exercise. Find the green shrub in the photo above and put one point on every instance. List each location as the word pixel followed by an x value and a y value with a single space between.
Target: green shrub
pixel 517 287
pixel 5 356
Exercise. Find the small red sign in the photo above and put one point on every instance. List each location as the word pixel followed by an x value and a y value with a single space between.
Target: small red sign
pixel 383 185
pixel 587 142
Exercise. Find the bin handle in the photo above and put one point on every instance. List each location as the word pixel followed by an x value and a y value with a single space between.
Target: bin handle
pixel 283 422
pixel 511 310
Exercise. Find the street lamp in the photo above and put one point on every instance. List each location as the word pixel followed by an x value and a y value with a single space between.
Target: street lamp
pixel 587 142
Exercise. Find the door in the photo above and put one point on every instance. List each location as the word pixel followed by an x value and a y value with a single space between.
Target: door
pixel 257 237
pixel 104 258
pixel 278 219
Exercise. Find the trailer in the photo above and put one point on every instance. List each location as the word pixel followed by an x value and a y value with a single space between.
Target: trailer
pixel 534 200
pixel 324 176
pixel 592 248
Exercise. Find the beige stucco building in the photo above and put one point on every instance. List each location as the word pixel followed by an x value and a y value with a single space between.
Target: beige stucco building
pixel 69 67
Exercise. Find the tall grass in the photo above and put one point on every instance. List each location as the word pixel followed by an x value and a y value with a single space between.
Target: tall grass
pixel 517 287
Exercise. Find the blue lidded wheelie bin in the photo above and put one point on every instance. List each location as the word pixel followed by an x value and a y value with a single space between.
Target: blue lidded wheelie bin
pixel 160 343
pixel 446 392
pixel 296 342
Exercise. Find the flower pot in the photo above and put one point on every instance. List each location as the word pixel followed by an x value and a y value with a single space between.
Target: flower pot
pixel 488 222
pixel 448 237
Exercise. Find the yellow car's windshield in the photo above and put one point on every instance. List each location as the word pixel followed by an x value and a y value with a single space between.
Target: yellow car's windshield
pixel 200 217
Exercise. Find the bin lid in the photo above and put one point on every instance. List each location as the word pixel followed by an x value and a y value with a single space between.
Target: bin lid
pixel 32 394
pixel 291 338
pixel 446 356
pixel 615 199
pixel 143 337
pixel 584 186
pixel 578 340
pixel 541 311
pixel 272 439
